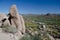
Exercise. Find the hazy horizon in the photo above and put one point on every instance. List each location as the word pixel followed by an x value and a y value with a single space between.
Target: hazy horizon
pixel 31 6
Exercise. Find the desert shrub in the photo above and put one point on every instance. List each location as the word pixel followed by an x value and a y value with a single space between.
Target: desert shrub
pixel 29 37
pixel 10 29
pixel 26 37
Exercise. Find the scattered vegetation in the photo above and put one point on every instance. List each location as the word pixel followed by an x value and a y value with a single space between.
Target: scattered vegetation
pixel 52 22
pixel 10 29
pixel 33 31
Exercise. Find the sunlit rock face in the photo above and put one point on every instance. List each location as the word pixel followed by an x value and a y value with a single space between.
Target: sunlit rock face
pixel 14 20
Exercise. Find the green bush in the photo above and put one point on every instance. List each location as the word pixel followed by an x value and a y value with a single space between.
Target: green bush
pixel 26 37
pixel 10 29
pixel 29 37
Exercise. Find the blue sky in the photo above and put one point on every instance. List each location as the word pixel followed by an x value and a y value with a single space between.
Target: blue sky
pixel 31 6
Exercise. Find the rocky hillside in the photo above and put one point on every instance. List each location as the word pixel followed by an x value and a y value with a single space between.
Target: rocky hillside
pixel 29 27
pixel 42 27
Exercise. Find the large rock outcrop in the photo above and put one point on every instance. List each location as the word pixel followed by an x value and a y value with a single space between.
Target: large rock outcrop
pixel 17 21
pixel 14 20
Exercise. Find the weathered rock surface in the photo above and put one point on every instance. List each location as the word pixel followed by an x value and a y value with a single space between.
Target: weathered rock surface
pixel 6 36
pixel 9 36
pixel 22 24
pixel 15 20
pixel 4 20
